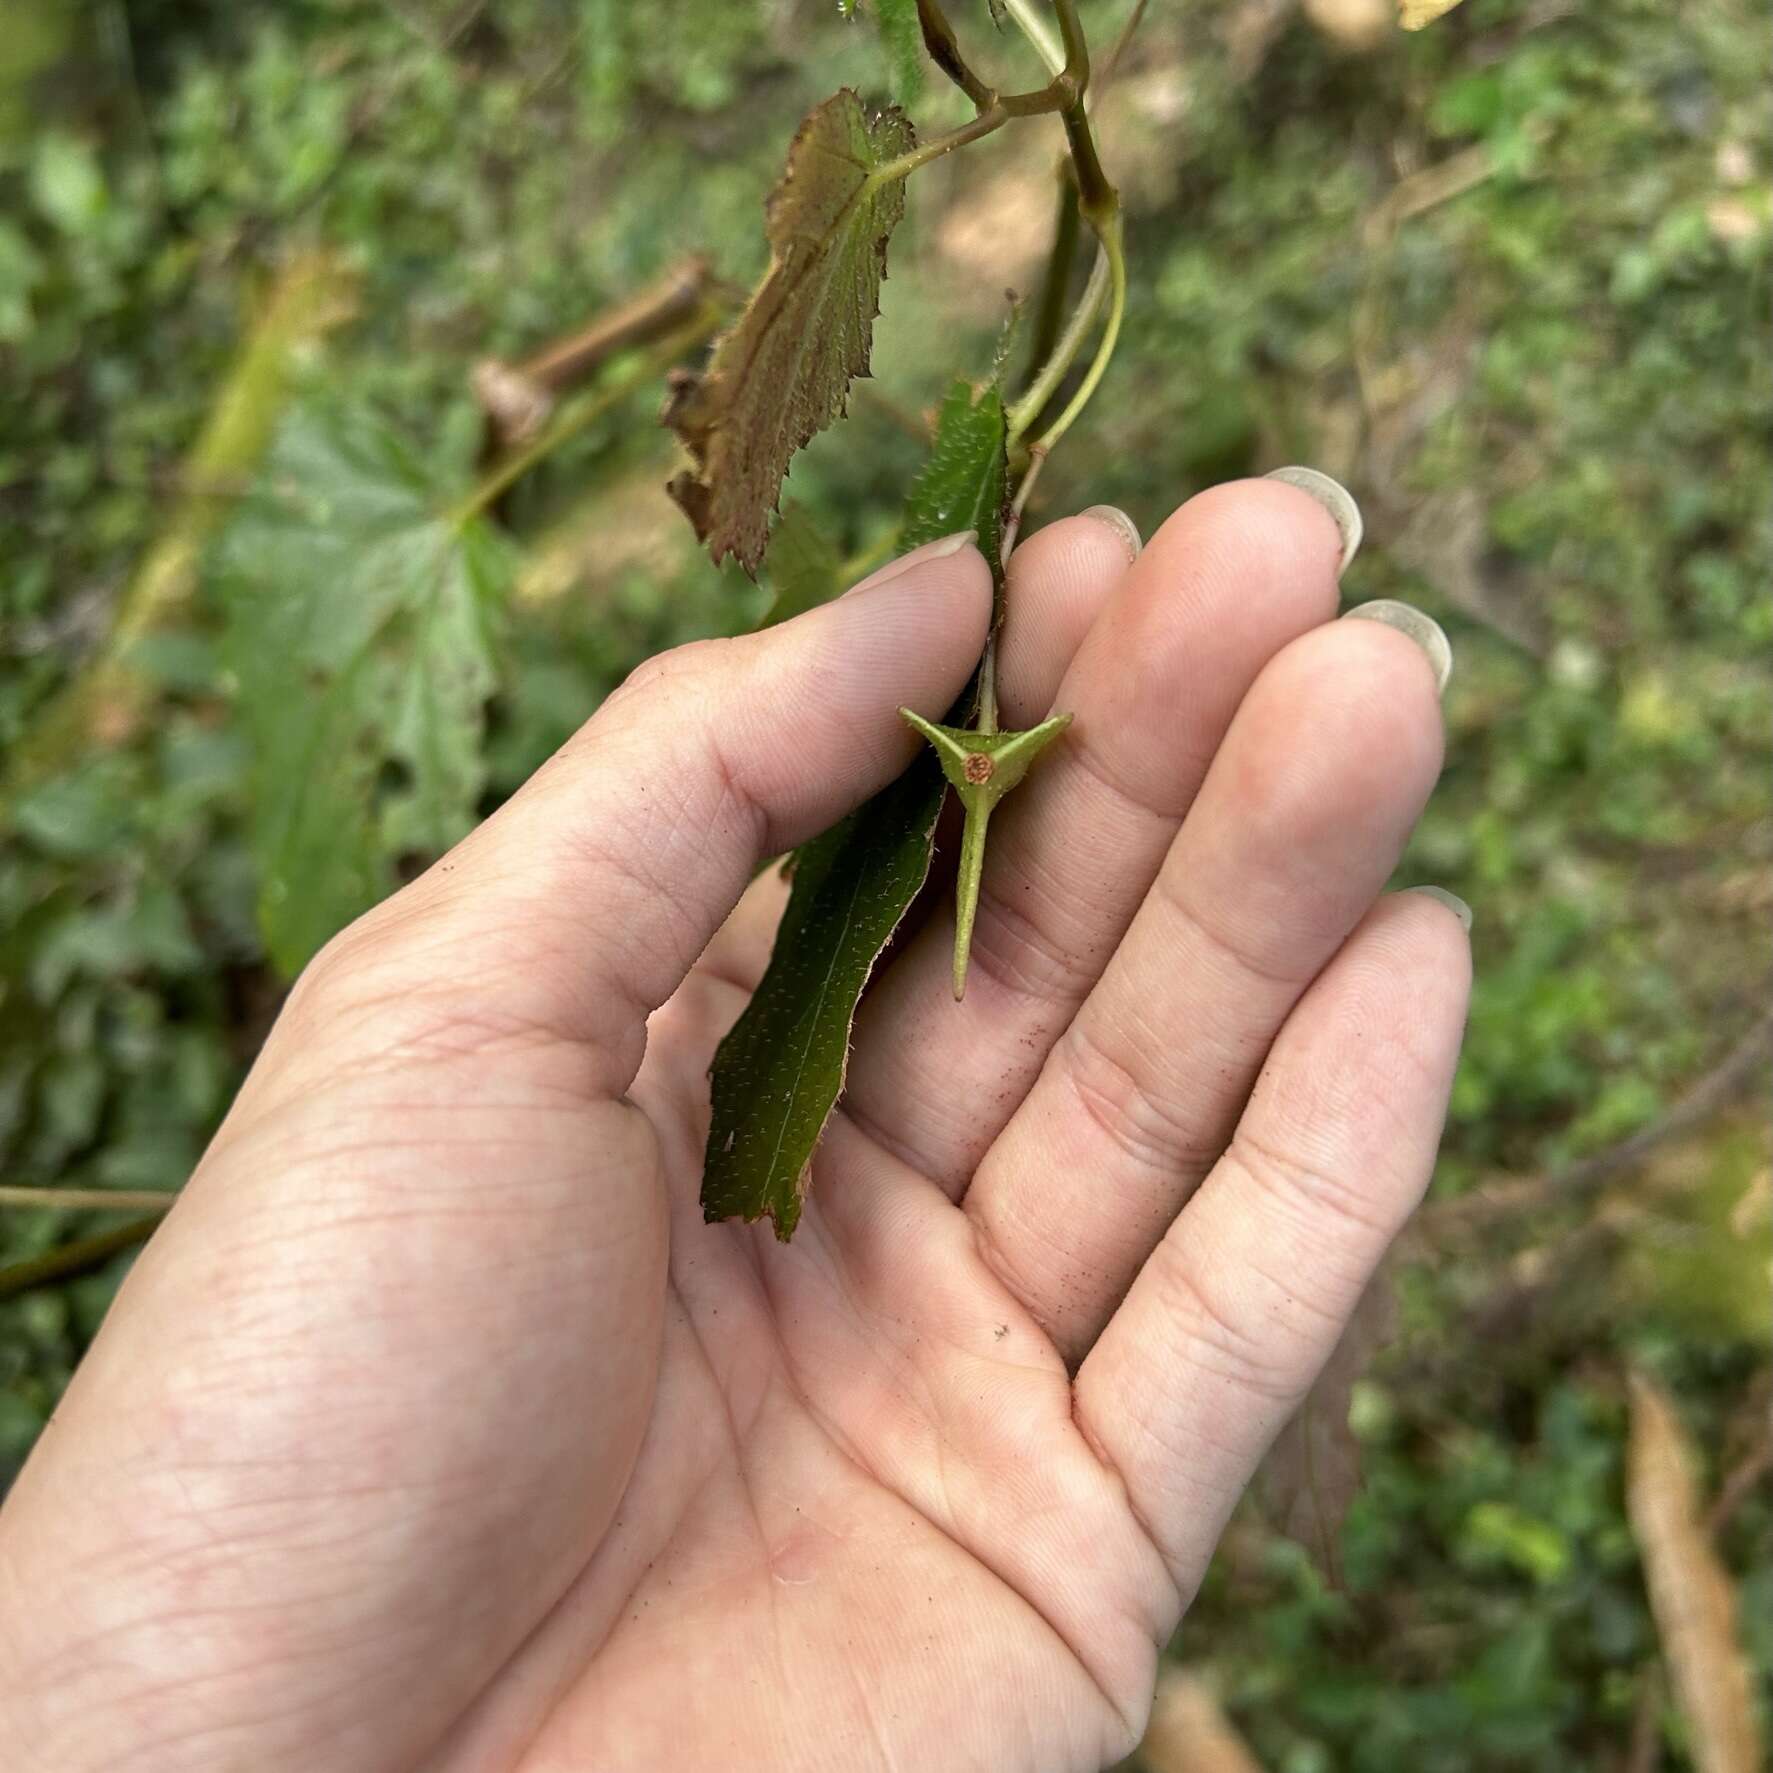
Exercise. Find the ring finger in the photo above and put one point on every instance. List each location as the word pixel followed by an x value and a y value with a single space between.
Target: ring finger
pixel 1302 818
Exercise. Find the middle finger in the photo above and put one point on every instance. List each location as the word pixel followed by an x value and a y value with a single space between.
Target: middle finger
pixel 1231 578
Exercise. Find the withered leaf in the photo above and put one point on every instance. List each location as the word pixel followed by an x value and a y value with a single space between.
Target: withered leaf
pixel 1414 15
pixel 1189 1731
pixel 1691 1594
pixel 782 372
pixel 1312 1473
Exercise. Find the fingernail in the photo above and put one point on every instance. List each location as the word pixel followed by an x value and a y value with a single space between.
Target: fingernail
pixel 937 550
pixel 1122 525
pixel 1452 901
pixel 1407 619
pixel 1336 499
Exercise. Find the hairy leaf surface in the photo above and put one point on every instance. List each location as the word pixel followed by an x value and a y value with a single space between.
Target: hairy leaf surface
pixel 902 36
pixel 360 618
pixel 965 483
pixel 778 1074
pixel 782 372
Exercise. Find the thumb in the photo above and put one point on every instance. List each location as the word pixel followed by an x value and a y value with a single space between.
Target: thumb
pixel 580 906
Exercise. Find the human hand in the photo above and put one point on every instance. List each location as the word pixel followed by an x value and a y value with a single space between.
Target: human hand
pixel 435 1429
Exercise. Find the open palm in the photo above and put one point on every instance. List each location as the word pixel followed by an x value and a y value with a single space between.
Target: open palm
pixel 437 1430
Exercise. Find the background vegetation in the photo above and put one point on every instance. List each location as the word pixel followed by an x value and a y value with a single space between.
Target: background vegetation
pixel 1506 279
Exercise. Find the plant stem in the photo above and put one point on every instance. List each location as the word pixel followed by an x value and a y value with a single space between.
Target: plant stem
pixel 987 716
pixel 91 1200
pixel 1037 459
pixel 1121 44
pixel 1038 32
pixel 989 120
pixel 1049 317
pixel 1095 195
pixel 582 413
pixel 944 49
pixel 518 398
pixel 1058 97
pixel 75 1259
pixel 107 703
pixel 1114 254
pixel 1040 391
pixel 1064 93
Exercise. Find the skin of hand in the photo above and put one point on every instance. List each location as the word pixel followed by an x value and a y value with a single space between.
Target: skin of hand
pixel 436 1430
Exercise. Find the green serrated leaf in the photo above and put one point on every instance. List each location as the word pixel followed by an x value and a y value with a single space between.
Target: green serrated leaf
pixel 965 483
pixel 783 370
pixel 360 617
pixel 804 565
pixel 778 1074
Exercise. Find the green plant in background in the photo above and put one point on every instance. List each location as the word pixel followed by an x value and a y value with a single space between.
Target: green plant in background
pixel 1506 279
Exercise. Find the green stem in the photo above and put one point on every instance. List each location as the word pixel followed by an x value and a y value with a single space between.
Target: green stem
pixel 1070 68
pixel 1040 391
pixel 111 697
pixel 1037 459
pixel 1114 252
pixel 1061 97
pixel 1095 195
pixel 75 1259
pixel 91 1200
pixel 1049 316
pixel 944 49
pixel 987 716
pixel 1038 32
pixel 989 120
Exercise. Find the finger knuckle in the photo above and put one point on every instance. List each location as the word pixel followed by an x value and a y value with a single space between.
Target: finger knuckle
pixel 1319 1194
pixel 1130 1104
pixel 1225 1338
pixel 680 672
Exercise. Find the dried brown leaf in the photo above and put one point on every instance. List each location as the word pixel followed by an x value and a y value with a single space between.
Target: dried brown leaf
pixel 1353 24
pixel 1690 1593
pixel 783 370
pixel 1413 15
pixel 1313 1471
pixel 1190 1733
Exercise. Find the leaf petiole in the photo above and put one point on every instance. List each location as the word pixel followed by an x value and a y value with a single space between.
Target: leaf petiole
pixel 1038 32
pixel 1114 255
pixel 1039 393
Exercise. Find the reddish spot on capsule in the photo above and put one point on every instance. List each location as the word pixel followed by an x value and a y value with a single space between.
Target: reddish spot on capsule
pixel 979 767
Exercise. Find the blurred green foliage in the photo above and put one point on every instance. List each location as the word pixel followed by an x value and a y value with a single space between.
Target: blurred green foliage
pixel 1547 381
